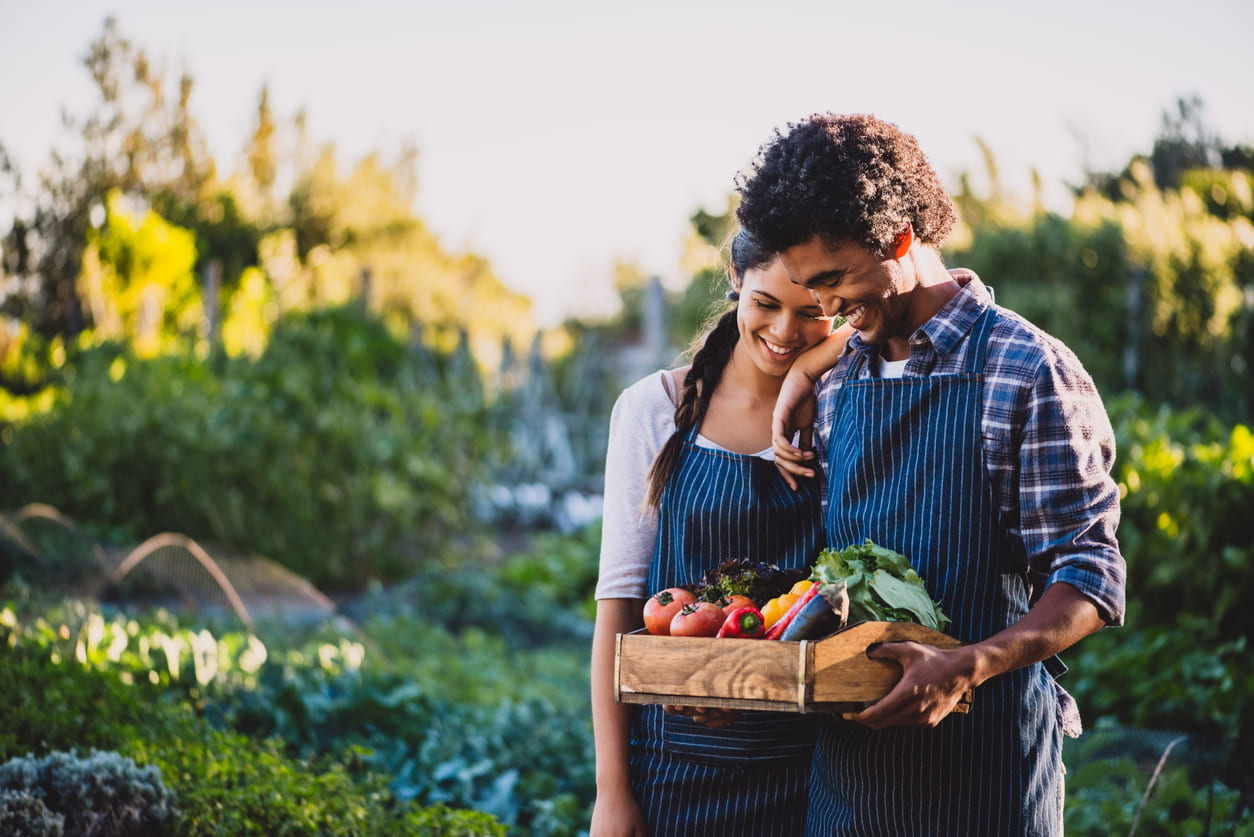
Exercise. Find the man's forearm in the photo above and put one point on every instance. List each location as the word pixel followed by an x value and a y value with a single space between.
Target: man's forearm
pixel 1062 617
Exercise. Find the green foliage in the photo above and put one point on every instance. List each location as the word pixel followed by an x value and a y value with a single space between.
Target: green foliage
pixel 529 763
pixel 1125 782
pixel 137 278
pixel 1148 282
pixel 225 783
pixel 340 452
pixel 1188 487
pixel 1165 671
pixel 1065 279
pixel 1182 659
pixel 469 686
pixel 561 568
pixel 102 793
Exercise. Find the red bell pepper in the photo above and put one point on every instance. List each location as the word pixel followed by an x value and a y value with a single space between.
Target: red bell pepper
pixel 744 622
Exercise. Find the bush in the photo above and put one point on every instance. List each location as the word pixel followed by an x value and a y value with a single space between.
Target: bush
pixel 21 812
pixel 341 453
pixel 1188 487
pixel 527 761
pixel 101 794
pixel 1182 676
pixel 1124 781
pixel 1182 660
pixel 225 783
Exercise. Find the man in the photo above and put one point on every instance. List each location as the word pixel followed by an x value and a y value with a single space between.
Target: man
pixel 957 433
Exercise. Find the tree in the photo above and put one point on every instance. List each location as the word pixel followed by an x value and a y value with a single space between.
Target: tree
pixel 1149 279
pixel 140 140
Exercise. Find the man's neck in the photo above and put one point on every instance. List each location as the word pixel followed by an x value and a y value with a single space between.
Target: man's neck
pixel 935 287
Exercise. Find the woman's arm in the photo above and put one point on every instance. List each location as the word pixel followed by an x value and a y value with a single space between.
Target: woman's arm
pixel 794 407
pixel 616 811
pixel 640 423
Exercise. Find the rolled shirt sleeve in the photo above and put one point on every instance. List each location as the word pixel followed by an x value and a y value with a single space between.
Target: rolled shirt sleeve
pixel 1068 500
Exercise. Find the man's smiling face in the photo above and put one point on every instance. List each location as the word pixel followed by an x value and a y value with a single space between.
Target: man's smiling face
pixel 872 294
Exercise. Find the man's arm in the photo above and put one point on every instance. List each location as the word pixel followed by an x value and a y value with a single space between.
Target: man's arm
pixel 933 680
pixel 1068 511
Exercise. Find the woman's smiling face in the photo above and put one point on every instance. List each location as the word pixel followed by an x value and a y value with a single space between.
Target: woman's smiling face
pixel 777 319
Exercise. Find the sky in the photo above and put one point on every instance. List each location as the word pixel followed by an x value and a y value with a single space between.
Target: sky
pixel 558 136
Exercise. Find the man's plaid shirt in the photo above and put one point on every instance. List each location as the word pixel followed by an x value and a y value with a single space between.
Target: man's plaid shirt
pixel 1048 443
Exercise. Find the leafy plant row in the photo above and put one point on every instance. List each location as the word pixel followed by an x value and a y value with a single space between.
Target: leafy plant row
pixel 222 782
pixel 462 688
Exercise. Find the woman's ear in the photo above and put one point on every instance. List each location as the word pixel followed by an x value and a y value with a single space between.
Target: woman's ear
pixel 905 240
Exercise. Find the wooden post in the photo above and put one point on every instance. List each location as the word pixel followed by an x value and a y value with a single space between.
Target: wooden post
pixel 364 293
pixel 1132 347
pixel 213 283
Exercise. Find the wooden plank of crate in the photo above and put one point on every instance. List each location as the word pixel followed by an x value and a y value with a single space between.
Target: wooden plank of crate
pixel 697 667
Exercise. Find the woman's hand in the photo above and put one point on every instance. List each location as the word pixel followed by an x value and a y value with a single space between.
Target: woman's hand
pixel 794 412
pixel 795 406
pixel 707 716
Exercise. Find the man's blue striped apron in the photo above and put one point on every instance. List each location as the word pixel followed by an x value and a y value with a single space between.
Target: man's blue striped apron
pixel 906 469
pixel 749 778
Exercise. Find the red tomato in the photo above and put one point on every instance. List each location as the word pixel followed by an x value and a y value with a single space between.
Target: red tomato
pixel 735 602
pixel 698 619
pixel 661 608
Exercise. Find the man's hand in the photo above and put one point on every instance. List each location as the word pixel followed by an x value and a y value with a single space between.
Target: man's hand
pixel 932 683
pixel 933 680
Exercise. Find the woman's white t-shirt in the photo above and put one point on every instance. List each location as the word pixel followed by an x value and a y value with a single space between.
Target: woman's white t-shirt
pixel 642 420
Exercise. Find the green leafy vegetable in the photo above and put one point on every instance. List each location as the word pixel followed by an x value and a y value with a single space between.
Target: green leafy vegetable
pixel 882 585
pixel 740 576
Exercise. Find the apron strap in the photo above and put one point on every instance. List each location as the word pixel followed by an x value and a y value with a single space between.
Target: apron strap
pixel 980 332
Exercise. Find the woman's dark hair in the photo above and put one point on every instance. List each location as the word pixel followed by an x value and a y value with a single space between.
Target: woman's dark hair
pixel 843 178
pixel 707 366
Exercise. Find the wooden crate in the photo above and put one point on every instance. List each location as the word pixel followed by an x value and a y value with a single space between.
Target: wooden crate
pixel 832 674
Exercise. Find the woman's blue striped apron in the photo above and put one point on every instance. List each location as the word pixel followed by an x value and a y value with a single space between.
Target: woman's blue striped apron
pixel 906 469
pixel 749 778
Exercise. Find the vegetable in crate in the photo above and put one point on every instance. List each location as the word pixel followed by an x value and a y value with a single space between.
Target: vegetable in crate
pixel 820 615
pixel 661 608
pixel 744 623
pixel 782 623
pixel 740 576
pixel 698 619
pixel 881 584
pixel 778 606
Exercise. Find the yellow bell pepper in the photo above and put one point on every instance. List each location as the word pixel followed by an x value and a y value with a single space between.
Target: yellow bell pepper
pixel 800 588
pixel 777 607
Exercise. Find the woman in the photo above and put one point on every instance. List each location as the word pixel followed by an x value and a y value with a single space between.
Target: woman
pixel 689 482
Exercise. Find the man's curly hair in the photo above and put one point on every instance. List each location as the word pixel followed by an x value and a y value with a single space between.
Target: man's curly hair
pixel 844 178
